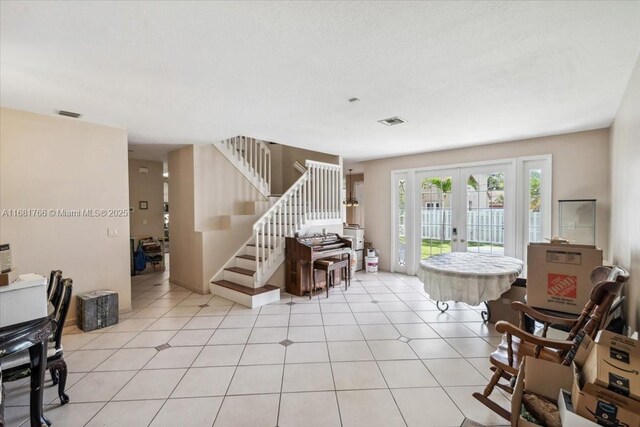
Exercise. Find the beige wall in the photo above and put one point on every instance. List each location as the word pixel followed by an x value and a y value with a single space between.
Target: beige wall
pixel 580 170
pixel 186 260
pixel 283 174
pixel 276 168
pixel 149 187
pixel 226 206
pixel 212 208
pixel 625 193
pixel 49 162
pixel 219 188
pixel 292 154
pixel 351 182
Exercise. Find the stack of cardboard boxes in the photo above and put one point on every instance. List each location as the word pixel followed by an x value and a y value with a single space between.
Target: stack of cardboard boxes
pixel 601 387
pixel 559 275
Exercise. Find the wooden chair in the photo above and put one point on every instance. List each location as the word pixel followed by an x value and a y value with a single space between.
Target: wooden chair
pixel 16 366
pixel 53 290
pixel 517 343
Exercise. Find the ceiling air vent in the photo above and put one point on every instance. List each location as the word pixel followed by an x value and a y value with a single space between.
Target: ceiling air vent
pixel 69 114
pixel 392 121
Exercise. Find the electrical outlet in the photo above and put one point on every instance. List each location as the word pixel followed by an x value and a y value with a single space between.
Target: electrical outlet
pixel 112 232
pixel 144 222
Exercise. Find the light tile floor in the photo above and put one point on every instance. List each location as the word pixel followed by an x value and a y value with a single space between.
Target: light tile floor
pixel 378 354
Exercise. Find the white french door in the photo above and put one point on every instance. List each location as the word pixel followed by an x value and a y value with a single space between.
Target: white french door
pixel 455 209
pixel 437 195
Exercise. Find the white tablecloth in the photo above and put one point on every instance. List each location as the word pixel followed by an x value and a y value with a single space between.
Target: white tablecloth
pixel 468 277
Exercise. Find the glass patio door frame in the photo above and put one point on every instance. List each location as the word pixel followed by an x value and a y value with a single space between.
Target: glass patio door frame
pixel 525 165
pixel 413 206
pixel 507 167
pixel 416 233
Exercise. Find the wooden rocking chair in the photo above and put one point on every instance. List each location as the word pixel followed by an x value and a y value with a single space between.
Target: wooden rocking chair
pixel 517 343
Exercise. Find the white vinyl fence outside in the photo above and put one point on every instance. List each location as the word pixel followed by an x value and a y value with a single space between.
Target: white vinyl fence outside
pixel 483 225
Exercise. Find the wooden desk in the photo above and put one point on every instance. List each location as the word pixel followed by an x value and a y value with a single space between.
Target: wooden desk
pixel 31 335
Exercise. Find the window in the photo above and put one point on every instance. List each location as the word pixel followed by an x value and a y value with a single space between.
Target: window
pixel 400 222
pixel 487 207
pixel 534 217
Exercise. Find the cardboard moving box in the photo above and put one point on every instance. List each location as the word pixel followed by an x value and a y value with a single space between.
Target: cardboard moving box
pixel 568 415
pixel 541 377
pixel 614 363
pixel 501 308
pixel 605 387
pixel 559 275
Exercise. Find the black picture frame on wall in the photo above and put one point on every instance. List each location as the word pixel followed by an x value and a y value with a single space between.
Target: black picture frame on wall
pixel 144 205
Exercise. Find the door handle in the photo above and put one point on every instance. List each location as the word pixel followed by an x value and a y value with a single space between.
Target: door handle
pixel 462 240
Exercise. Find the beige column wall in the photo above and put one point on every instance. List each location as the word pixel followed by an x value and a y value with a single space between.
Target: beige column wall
pixel 625 193
pixel 50 162
pixel 186 244
pixel 580 170
pixel 149 187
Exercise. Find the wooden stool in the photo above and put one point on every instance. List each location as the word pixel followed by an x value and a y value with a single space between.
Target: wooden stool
pixel 329 266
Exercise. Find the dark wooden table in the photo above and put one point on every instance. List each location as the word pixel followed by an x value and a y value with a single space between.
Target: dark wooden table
pixel 31 335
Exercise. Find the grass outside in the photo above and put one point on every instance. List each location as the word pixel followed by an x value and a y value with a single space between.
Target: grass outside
pixel 435 247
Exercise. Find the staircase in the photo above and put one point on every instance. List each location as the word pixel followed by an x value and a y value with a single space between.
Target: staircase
pixel 314 199
pixel 252 158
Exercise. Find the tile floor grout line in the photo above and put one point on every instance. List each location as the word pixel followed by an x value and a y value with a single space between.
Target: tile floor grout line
pixel 123 386
pixel 177 382
pixel 224 397
pixel 376 362
pixel 434 377
pixel 254 393
pixel 284 366
pixel 443 387
pixel 130 379
pixel 333 378
pixel 364 286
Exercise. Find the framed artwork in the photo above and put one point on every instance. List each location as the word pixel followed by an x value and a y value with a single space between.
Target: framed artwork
pixel 144 204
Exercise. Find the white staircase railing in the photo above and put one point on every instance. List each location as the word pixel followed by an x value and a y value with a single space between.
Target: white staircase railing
pixel 252 158
pixel 316 195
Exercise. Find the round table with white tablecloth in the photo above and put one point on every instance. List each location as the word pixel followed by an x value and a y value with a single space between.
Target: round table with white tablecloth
pixel 472 278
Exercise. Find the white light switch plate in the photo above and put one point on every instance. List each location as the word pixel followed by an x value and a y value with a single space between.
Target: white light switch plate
pixel 112 232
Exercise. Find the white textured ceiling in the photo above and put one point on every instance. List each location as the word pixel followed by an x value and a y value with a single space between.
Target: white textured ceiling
pixel 460 73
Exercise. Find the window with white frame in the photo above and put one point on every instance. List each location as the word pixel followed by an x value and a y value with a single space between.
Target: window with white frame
pixel 491 207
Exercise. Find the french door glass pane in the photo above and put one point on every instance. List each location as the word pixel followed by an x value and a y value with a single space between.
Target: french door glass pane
pixel 485 213
pixel 535 206
pixel 435 209
pixel 401 203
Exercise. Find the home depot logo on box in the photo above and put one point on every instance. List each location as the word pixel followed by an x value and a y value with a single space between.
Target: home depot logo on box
pixel 562 285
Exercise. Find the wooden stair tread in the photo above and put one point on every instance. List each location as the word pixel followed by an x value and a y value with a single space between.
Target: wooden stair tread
pixel 240 270
pixel 244 289
pixel 249 257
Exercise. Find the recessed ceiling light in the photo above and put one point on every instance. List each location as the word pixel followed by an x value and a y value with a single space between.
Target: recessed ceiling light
pixel 392 121
pixel 354 99
pixel 69 114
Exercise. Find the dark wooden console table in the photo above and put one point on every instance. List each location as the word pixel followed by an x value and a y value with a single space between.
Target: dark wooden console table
pixel 31 335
